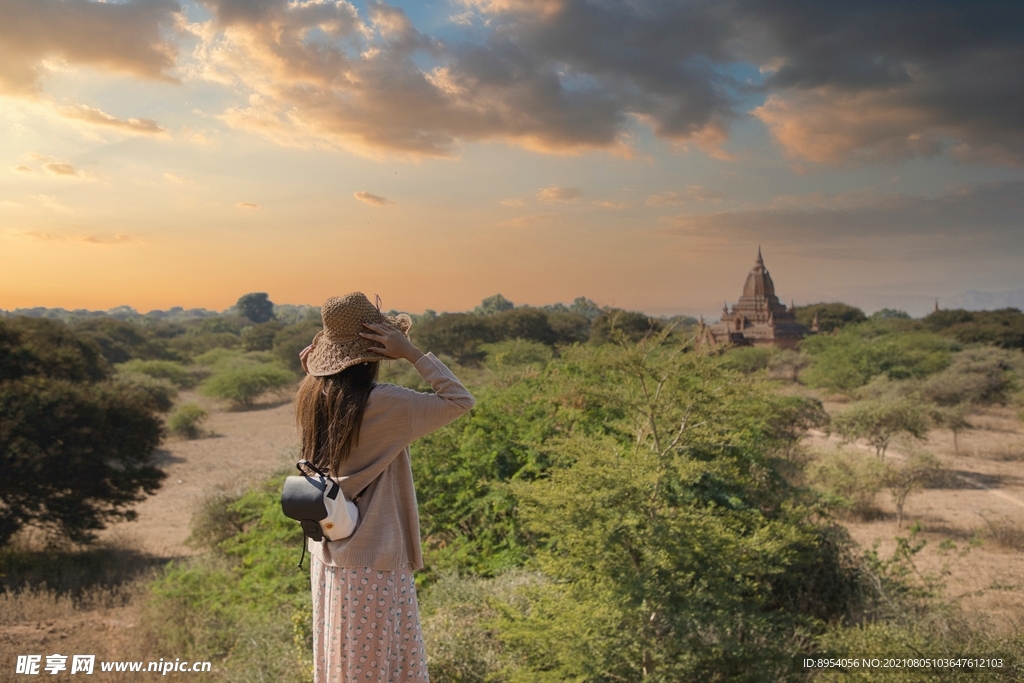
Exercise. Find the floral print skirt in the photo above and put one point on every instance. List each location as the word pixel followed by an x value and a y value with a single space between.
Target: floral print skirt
pixel 366 626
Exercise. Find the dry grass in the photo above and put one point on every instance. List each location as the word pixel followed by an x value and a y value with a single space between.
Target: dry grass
pixel 1004 532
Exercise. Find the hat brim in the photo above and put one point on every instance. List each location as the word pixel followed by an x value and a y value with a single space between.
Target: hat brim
pixel 331 356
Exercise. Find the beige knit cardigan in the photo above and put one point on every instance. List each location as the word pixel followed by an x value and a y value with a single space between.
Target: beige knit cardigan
pixel 388 533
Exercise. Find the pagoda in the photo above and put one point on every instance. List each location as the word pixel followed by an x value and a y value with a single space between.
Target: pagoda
pixel 758 319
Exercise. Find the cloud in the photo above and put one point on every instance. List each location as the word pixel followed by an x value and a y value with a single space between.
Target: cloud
pixel 371 199
pixel 612 205
pixel 559 194
pixel 122 37
pixel 849 86
pixel 177 179
pixel 100 118
pixel 992 214
pixel 692 193
pixel 319 73
pixel 39 236
pixel 524 221
pixel 513 202
pixel 23 169
pixel 62 169
pixel 59 168
pixel 248 205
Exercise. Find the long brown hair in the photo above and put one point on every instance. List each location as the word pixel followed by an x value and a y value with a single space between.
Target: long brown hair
pixel 329 412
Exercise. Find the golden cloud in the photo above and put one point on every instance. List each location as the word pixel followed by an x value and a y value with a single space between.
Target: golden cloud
pixel 371 199
pixel 123 37
pixel 550 195
pixel 100 118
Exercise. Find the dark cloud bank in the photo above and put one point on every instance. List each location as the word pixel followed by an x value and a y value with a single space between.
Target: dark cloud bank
pixel 844 82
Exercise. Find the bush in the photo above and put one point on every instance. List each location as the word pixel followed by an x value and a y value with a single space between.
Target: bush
pixel 291 340
pixel 978 375
pixel 853 478
pixel 161 369
pixel 830 316
pixel 260 337
pixel 121 341
pixel 156 394
pixel 516 353
pixel 1004 327
pixel 853 357
pixel 243 604
pixel 245 384
pixel 878 421
pixel 185 421
pixel 748 359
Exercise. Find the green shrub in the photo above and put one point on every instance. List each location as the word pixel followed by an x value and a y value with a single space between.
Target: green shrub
pixel 157 394
pixel 244 384
pixel 243 604
pixel 185 421
pixel 977 375
pixel 853 357
pixel 748 359
pixel 516 353
pixel 855 479
pixel 161 369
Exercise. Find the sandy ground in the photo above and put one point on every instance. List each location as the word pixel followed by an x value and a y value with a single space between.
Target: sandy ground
pixel 987 487
pixel 246 446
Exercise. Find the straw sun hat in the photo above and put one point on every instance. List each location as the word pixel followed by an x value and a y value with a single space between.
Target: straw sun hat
pixel 339 345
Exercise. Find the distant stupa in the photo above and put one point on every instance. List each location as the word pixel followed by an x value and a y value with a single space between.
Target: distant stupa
pixel 758 319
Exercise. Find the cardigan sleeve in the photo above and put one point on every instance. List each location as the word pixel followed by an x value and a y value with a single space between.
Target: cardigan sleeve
pixel 450 400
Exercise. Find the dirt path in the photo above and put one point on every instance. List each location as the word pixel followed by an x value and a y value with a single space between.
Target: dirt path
pixel 248 447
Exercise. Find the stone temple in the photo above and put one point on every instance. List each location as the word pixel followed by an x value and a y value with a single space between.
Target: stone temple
pixel 758 319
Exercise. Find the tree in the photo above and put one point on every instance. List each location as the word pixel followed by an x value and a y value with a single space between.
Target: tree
pixel 256 307
pixel 830 316
pixel 75 449
pixel 878 421
pixel 669 545
pixel 260 337
pixel 494 304
pixel 456 334
pixel 524 323
pixel 953 418
pixel 633 325
pixel 904 479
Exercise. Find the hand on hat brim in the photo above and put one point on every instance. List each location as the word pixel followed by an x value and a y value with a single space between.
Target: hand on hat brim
pixel 303 355
pixel 393 342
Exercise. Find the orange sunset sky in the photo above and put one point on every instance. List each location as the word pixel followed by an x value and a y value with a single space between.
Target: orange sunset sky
pixel 161 153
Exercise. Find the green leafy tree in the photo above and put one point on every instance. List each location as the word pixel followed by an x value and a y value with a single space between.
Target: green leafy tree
pixel 524 323
pixel 121 341
pixel 289 341
pixel 173 372
pixel 953 418
pixel 830 316
pixel 904 479
pixel 631 325
pixel 494 304
pixel 890 314
pixel 879 421
pixel 75 449
pixel 260 337
pixel 1004 327
pixel 255 306
pixel 670 543
pixel 456 334
pixel 581 305
pixel 569 328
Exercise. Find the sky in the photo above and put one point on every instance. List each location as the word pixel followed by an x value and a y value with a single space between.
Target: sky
pixel 160 153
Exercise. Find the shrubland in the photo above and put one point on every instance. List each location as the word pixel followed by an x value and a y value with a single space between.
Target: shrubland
pixel 620 505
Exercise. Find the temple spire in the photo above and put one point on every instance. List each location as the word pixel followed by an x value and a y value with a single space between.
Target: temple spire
pixel 760 261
